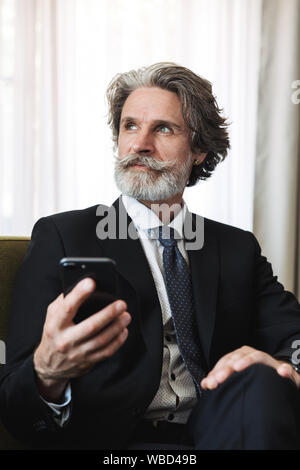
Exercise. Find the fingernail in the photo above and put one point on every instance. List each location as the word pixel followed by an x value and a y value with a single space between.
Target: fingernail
pixel 126 320
pixel 87 284
pixel 211 383
pixel 120 306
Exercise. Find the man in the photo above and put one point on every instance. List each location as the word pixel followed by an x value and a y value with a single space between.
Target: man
pixel 196 352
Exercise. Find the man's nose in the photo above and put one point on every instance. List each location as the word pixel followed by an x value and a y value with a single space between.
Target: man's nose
pixel 143 143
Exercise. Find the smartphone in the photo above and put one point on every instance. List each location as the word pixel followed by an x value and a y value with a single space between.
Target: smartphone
pixel 104 273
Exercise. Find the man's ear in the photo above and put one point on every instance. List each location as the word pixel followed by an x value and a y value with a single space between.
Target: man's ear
pixel 198 158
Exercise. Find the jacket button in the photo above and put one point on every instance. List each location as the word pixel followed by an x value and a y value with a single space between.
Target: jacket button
pixel 40 425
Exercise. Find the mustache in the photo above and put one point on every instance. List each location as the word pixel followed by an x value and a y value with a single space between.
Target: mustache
pixel 146 160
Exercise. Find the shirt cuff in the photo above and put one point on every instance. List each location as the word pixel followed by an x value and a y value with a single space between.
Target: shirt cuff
pixel 61 412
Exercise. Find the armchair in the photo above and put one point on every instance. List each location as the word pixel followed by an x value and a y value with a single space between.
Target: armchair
pixel 12 251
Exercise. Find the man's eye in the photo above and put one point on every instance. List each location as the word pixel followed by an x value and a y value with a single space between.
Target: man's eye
pixel 165 129
pixel 130 126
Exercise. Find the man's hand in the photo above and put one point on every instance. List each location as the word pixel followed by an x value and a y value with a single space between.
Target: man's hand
pixel 242 358
pixel 69 350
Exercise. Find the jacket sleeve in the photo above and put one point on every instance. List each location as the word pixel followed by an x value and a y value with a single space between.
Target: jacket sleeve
pixel 277 311
pixel 22 411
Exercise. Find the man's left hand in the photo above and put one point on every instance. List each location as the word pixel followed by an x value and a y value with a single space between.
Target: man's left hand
pixel 242 358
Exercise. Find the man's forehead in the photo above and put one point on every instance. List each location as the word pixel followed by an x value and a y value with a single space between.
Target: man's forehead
pixel 153 103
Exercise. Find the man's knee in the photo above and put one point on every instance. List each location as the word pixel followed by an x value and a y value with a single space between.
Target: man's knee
pixel 255 408
pixel 271 408
pixel 259 384
pixel 266 377
pixel 255 373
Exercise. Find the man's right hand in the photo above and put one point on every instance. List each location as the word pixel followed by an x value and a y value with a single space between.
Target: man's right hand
pixel 68 350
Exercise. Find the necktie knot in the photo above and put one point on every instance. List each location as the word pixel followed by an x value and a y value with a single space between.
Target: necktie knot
pixel 166 236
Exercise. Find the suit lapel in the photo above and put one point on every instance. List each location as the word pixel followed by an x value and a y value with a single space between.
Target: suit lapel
pixel 204 263
pixel 133 266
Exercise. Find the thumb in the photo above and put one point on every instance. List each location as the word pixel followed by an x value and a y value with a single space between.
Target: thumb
pixel 286 370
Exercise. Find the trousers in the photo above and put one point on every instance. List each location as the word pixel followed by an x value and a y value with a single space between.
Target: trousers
pixel 254 409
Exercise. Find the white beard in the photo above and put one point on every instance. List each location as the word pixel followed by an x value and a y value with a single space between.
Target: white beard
pixel 162 181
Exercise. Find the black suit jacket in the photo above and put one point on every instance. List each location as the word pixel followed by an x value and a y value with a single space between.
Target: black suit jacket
pixel 238 302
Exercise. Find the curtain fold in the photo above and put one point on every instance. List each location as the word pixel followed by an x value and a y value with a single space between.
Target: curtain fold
pixel 297 250
pixel 276 197
pixel 24 116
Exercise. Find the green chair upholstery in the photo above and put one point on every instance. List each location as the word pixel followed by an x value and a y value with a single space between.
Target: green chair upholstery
pixel 12 251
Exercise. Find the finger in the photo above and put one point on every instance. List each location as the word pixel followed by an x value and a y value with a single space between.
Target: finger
pixel 285 370
pixel 228 360
pixel 110 349
pixel 107 335
pixel 255 357
pixel 222 370
pixel 83 364
pixel 75 298
pixel 98 321
pixel 232 357
pixel 219 376
pixel 230 363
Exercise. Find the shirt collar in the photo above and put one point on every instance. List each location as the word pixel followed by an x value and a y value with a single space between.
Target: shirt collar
pixel 145 219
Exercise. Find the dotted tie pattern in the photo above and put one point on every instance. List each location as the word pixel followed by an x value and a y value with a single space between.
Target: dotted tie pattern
pixel 179 288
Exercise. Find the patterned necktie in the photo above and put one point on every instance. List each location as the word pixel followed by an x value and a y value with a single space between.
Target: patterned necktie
pixel 179 288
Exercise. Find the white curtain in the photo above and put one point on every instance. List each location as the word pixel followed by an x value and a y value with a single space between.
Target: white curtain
pixel 55 146
pixel 277 181
pixel 67 51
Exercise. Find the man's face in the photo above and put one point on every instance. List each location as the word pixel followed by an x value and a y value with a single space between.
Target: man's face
pixel 154 154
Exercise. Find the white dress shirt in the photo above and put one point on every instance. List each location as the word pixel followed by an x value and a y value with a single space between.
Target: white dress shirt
pixel 176 395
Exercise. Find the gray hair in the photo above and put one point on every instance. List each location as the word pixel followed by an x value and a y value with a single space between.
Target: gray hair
pixel 207 128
